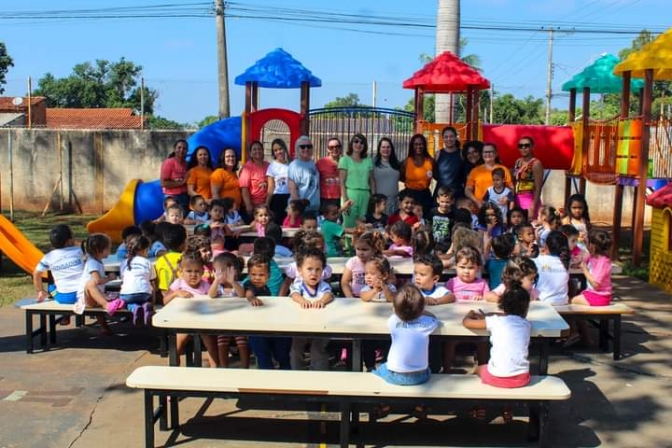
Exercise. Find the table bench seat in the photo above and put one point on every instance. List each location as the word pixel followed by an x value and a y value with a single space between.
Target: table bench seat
pixel 346 388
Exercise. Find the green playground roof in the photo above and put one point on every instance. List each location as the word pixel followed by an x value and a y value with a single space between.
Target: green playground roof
pixel 599 77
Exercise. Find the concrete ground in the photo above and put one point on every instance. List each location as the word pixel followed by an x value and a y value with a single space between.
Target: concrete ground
pixel 75 396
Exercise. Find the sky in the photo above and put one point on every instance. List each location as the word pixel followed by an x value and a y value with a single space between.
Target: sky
pixel 179 55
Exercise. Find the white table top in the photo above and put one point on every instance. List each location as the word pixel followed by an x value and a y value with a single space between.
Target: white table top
pixel 341 317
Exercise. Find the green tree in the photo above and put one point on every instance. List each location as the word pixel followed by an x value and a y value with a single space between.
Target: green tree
pixel 158 122
pixel 350 100
pixel 5 62
pixel 103 84
pixel 507 109
pixel 207 120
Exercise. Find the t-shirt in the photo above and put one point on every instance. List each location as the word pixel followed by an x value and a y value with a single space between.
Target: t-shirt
pixel 122 251
pixel 480 178
pixel 492 196
pixel 199 177
pixel 435 293
pixel 467 291
pixel 278 171
pixel 441 224
pixel 419 177
pixel 167 269
pixel 387 183
pixel 310 294
pixel 174 169
pixel 202 288
pixel 137 279
pixel 253 177
pixel 233 218
pixel 553 280
pixel 257 291
pixel 600 268
pixel 495 267
pixel 287 222
pixel 332 232
pixel 381 296
pixel 275 281
pixel 410 219
pixel 66 265
pixel 358 277
pixel 306 178
pixel 157 246
pixel 499 291
pixel 543 234
pixel 409 351
pixel 228 185
pixel 449 170
pixel 376 223
pixel 407 249
pixel 358 172
pixel 330 182
pixel 199 217
pixel 510 338
pixel 92 265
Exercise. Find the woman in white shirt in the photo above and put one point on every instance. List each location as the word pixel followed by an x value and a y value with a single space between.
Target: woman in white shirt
pixel 278 190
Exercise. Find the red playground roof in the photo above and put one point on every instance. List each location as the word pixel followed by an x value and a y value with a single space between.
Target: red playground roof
pixel 661 198
pixel 445 74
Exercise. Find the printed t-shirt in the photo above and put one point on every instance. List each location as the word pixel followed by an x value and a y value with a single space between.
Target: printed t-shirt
pixel 467 291
pixel 480 178
pixel 199 177
pixel 409 351
pixel 358 277
pixel 510 338
pixel 435 293
pixel 292 271
pixel 167 269
pixel 228 185
pixel 278 171
pixel 330 182
pixel 66 265
pixel 306 178
pixel 136 279
pixel 492 196
pixel 253 177
pixel 441 224
pixel 299 287
pixel 553 280
pixel 202 288
pixel 174 169
pixel 418 177
pixel 358 172
pixel 202 217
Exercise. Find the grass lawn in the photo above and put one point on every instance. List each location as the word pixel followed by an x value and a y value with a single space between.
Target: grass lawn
pixel 15 283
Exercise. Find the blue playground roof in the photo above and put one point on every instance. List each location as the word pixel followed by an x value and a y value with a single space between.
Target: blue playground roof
pixel 278 70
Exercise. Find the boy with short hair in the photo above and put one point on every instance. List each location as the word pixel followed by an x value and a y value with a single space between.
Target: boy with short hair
pixel 175 240
pixel 441 216
pixel 265 247
pixel 427 271
pixel 174 215
pixel 502 247
pixel 405 213
pixel 499 194
pixel 66 263
pixel 332 230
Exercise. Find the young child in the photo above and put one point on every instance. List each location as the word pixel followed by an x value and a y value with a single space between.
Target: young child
pixel 367 245
pixel 502 248
pixel 400 234
pixel 441 217
pixel 128 231
pixel 311 292
pixel 332 230
pixel 499 194
pixel 309 222
pixel 577 214
pixel 230 210
pixel 376 218
pixel 422 242
pixel 490 221
pixel 138 277
pixel 262 217
pixel 199 210
pixel 576 255
pixel 202 245
pixel 597 269
pixel 467 204
pixel 515 217
pixel 418 212
pixel 265 348
pixel 274 232
pixel 154 232
pixel 427 271
pixel 65 261
pixel 174 215
pixel 91 291
pixel 520 270
pixel 376 276
pixel 175 239
pixel 467 284
pixel 218 225
pixel 405 213
pixel 295 210
pixel 168 202
pixel 266 248
pixel 303 240
pixel 552 265
pixel 526 245
pixel 549 218
pixel 408 360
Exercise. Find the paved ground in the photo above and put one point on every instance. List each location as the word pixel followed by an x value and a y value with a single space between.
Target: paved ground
pixel 74 396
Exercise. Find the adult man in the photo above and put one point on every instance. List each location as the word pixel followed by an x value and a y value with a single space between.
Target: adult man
pixel 330 183
pixel 303 177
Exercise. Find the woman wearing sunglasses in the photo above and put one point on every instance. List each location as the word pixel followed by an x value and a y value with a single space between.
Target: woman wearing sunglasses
pixel 529 176
pixel 303 178
pixel 356 172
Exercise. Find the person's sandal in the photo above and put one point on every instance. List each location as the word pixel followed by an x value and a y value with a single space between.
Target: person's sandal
pixel 420 412
pixel 478 413
pixel 507 415
pixel 114 306
pixel 380 411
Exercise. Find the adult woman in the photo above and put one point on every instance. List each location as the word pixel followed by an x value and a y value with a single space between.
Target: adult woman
pixel 224 180
pixel 449 163
pixel 417 172
pixel 480 177
pixel 252 179
pixel 528 173
pixel 278 190
pixel 386 173
pixel 472 156
pixel 356 173
pixel 303 177
pixel 174 174
pixel 199 170
pixel 330 181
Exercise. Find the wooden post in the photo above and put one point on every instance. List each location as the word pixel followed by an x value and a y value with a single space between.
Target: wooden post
pixel 305 107
pixel 638 229
pixel 571 118
pixel 585 142
pixel 255 96
pixel 617 216
pixel 248 97
pixel 419 109
pixel 475 109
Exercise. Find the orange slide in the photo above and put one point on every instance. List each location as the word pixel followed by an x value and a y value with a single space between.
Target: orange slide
pixel 17 247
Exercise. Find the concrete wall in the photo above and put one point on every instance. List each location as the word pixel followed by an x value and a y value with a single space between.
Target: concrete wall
pixel 95 165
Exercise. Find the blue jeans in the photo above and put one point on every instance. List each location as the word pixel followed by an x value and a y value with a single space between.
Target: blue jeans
pixel 267 348
pixel 402 379
pixel 137 297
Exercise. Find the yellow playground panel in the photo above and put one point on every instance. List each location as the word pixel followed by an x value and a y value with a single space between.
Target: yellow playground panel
pixel 660 271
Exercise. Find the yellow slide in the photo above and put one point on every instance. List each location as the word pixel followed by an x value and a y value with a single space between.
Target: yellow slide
pixel 118 217
pixel 17 247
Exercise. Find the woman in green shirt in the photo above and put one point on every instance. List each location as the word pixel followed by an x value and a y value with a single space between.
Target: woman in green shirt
pixel 356 173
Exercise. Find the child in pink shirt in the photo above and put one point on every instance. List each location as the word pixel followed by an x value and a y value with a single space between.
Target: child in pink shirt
pixel 468 285
pixel 597 269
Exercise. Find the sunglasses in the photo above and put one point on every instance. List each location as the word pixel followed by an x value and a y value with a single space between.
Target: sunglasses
pixel 488 152
pixel 524 145
pixel 305 146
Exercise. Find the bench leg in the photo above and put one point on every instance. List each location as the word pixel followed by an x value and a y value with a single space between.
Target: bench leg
pixel 356 355
pixel 174 412
pixel 163 343
pixel 149 419
pixel 198 351
pixel 52 329
pixel 345 424
pixel 544 349
pixel 544 408
pixel 163 418
pixel 604 335
pixel 617 337
pixel 30 347
pixel 43 330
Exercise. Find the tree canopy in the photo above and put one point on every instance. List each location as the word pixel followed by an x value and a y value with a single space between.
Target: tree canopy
pixel 5 62
pixel 103 84
pixel 350 100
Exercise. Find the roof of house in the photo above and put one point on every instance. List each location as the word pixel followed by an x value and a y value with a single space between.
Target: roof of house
pixel 102 118
pixel 6 104
pixel 661 198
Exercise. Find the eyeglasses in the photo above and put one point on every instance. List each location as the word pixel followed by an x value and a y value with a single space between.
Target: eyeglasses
pixel 524 145
pixel 335 147
pixel 488 152
pixel 305 146
pixel 356 140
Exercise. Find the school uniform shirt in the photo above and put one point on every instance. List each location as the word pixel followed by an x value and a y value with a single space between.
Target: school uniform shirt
pixel 435 293
pixel 66 265
pixel 467 291
pixel 157 246
pixel 358 277
pixel 491 195
pixel 92 265
pixel 381 296
pixel 282 251
pixel 138 278
pixel 441 224
pixel 202 288
pixel 122 251
pixel 202 217
pixel 233 218
pixel 510 338
pixel 409 351
pixel 292 271
pixel 553 280
pixel 304 291
pixel 542 236
pixel 499 291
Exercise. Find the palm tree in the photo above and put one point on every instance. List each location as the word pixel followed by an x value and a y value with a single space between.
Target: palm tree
pixel 447 39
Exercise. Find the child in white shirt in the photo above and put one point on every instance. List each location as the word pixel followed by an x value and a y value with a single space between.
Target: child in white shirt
pixel 138 278
pixel 553 283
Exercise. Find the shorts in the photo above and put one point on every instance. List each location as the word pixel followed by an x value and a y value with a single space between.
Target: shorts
pixel 137 298
pixel 401 378
pixel 595 299
pixel 508 382
pixel 66 298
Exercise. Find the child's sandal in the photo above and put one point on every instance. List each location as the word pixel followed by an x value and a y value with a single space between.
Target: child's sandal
pixel 420 412
pixel 478 413
pixel 507 415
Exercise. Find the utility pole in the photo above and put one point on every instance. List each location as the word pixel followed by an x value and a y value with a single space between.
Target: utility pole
pixel 549 91
pixel 492 101
pixel 222 63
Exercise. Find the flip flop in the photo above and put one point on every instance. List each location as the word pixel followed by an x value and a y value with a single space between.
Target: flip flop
pixel 420 412
pixel 115 306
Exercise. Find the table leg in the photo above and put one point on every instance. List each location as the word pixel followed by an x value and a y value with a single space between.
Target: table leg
pixel 198 351
pixel 544 350
pixel 173 360
pixel 617 337
pixel 356 355
pixel 29 332
pixel 52 329
pixel 43 330
pixel 149 419
pixel 345 424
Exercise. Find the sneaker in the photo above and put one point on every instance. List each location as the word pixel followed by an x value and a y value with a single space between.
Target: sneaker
pixel 149 312
pixel 115 306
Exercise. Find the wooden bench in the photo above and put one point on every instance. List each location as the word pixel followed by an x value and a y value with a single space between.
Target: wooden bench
pixel 600 316
pixel 50 314
pixel 348 389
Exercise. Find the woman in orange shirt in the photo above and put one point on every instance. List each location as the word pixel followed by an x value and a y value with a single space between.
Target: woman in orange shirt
pixel 199 170
pixel 224 180
pixel 417 172
pixel 480 177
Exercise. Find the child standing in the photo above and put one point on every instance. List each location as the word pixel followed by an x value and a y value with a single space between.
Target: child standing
pixel 577 214
pixel 441 217
pixel 405 213
pixel 552 266
pixel 400 234
pixel 175 239
pixel 499 194
pixel 375 214
pixel 199 210
pixel 367 245
pixel 137 280
pixel 295 210
pixel 597 269
pixel 311 292
pixel 549 218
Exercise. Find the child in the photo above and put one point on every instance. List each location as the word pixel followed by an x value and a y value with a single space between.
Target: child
pixel 91 291
pixel 467 284
pixel 265 348
pixel 499 194
pixel 597 269
pixel 311 292
pixel 266 248
pixel 526 245
pixel 125 234
pixel 502 248
pixel 552 266
pixel 174 215
pixel 168 202
pixel 441 217
pixel 309 222
pixel 376 218
pixel 332 230
pixel 295 210
pixel 520 270
pixel 490 220
pixel 190 283
pixel 262 217
pixel 549 218
pixel 230 210
pixel 199 210
pixel 577 214
pixel 202 245
pixel 405 213
pixel 400 234
pixel 154 233
pixel 218 225
pixel 467 204
pixel 303 240
pixel 138 277
pixel 418 212
pixel 576 255
pixel 367 245
pixel 65 262
pixel 376 276
pixel 422 242
pixel 274 232
pixel 175 238
pixel 515 217
pixel 408 360
pixel 427 270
